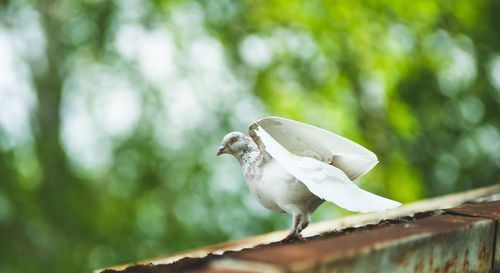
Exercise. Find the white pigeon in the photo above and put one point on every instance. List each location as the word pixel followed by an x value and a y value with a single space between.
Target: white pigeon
pixel 293 167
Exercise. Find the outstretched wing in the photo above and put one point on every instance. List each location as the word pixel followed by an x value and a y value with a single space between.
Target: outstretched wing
pixel 322 179
pixel 310 141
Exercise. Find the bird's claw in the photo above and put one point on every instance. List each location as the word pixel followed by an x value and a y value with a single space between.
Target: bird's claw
pixel 293 237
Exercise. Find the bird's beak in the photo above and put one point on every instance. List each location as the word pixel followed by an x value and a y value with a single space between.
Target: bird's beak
pixel 222 150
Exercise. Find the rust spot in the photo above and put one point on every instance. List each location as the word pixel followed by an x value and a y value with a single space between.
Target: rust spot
pixel 419 267
pixel 465 263
pixel 482 254
pixel 431 259
pixel 450 264
pixel 402 261
pixel 482 257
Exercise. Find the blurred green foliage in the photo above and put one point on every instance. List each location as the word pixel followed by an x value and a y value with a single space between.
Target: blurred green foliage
pixel 111 113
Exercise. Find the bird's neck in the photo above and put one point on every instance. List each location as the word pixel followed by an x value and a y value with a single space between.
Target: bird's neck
pixel 249 162
pixel 248 155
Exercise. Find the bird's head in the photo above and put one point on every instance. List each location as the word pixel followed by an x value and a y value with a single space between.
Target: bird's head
pixel 234 143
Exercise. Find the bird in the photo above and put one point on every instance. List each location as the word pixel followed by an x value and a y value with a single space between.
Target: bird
pixel 293 167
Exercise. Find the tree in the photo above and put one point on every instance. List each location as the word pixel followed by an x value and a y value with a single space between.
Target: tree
pixel 111 113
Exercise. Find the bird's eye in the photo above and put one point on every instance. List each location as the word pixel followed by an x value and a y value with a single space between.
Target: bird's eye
pixel 233 140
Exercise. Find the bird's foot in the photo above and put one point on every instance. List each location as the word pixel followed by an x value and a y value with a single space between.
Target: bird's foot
pixel 293 237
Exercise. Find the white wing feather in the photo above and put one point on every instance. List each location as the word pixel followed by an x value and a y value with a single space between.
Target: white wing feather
pixel 307 140
pixel 324 180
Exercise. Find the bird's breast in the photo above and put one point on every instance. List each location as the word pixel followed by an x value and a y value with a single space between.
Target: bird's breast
pixel 268 182
pixel 276 189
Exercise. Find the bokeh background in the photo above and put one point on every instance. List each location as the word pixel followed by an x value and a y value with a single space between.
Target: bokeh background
pixel 111 113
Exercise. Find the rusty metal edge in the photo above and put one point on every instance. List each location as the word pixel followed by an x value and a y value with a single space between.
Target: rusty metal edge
pixel 482 210
pixel 432 227
pixel 442 202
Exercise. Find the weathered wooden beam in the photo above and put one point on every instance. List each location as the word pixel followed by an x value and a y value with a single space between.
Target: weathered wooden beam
pixel 443 243
pixel 466 226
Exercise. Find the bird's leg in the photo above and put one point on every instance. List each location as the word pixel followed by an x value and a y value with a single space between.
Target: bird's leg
pixel 297 222
pixel 303 224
